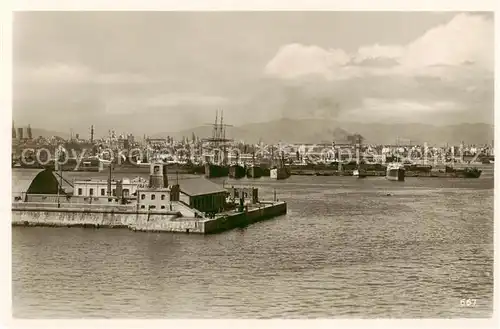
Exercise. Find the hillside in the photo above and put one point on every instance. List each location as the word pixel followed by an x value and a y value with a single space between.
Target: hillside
pixel 316 131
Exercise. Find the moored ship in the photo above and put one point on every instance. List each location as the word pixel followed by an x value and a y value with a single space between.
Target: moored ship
pixel 467 172
pixel 214 171
pixel 254 172
pixel 237 171
pixel 395 172
pixel 280 171
pixel 360 173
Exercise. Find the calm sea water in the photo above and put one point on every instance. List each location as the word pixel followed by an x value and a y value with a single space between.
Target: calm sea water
pixel 348 248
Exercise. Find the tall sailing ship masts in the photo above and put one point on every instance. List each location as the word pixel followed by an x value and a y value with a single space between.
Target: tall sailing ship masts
pixel 219 139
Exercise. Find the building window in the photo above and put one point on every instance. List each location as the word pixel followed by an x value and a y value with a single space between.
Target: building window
pixel 80 191
pixel 152 207
pixel 142 207
pixel 126 192
pixel 143 196
pixel 163 196
pixel 91 191
pixel 114 192
pixel 162 207
pixel 103 191
pixel 153 196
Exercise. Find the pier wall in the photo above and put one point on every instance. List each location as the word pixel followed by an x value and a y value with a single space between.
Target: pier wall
pixel 34 214
pixel 224 223
pixel 109 218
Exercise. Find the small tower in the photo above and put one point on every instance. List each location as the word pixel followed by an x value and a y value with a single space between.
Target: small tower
pixel 156 178
pixel 28 131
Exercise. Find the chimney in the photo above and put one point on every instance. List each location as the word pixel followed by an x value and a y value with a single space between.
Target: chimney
pixel 20 133
pixel 13 131
pixel 175 192
pixel 165 176
pixel 119 189
pixel 109 177
pixel 28 131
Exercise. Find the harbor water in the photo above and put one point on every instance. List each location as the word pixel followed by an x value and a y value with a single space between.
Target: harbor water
pixel 347 248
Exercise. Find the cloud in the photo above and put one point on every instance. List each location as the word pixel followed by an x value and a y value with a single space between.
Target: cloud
pixel 296 60
pixel 190 99
pixel 465 42
pixel 466 39
pixel 145 104
pixel 377 52
pixel 446 74
pixel 64 73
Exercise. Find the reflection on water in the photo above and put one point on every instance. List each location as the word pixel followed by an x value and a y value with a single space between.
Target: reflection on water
pixel 348 248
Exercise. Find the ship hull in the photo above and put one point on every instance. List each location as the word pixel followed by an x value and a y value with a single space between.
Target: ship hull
pixel 359 173
pixel 214 171
pixel 254 172
pixel 468 174
pixel 279 173
pixel 237 171
pixel 395 175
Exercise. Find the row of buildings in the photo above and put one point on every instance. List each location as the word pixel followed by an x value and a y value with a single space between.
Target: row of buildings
pixel 158 194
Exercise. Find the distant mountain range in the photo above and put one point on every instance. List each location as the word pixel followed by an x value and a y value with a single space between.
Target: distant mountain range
pixel 317 131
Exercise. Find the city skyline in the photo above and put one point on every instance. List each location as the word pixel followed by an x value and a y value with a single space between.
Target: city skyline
pixel 168 71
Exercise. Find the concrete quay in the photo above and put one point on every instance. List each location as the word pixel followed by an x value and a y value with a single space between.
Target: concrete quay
pixel 31 214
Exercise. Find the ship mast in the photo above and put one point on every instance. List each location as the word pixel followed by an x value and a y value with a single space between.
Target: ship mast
pixel 219 135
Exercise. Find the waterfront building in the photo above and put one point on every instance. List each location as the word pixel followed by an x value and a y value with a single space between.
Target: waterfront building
pixel 93 188
pixel 158 194
pixel 198 193
pixel 203 195
pixel 157 198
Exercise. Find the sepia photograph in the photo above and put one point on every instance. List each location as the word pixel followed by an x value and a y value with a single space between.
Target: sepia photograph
pixel 252 165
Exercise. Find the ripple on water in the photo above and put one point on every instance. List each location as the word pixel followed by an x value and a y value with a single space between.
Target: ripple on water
pixel 345 250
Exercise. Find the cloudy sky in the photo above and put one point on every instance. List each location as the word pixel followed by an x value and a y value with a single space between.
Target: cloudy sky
pixel 167 71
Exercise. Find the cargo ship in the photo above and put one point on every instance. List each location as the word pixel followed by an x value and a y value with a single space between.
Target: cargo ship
pixel 395 172
pixel 360 173
pixel 279 171
pixel 237 171
pixel 467 172
pixel 255 172
pixel 214 170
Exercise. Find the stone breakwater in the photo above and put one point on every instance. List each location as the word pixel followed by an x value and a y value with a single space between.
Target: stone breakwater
pixel 24 214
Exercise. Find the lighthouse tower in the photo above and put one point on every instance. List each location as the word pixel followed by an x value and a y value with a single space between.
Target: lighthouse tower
pixel 158 176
